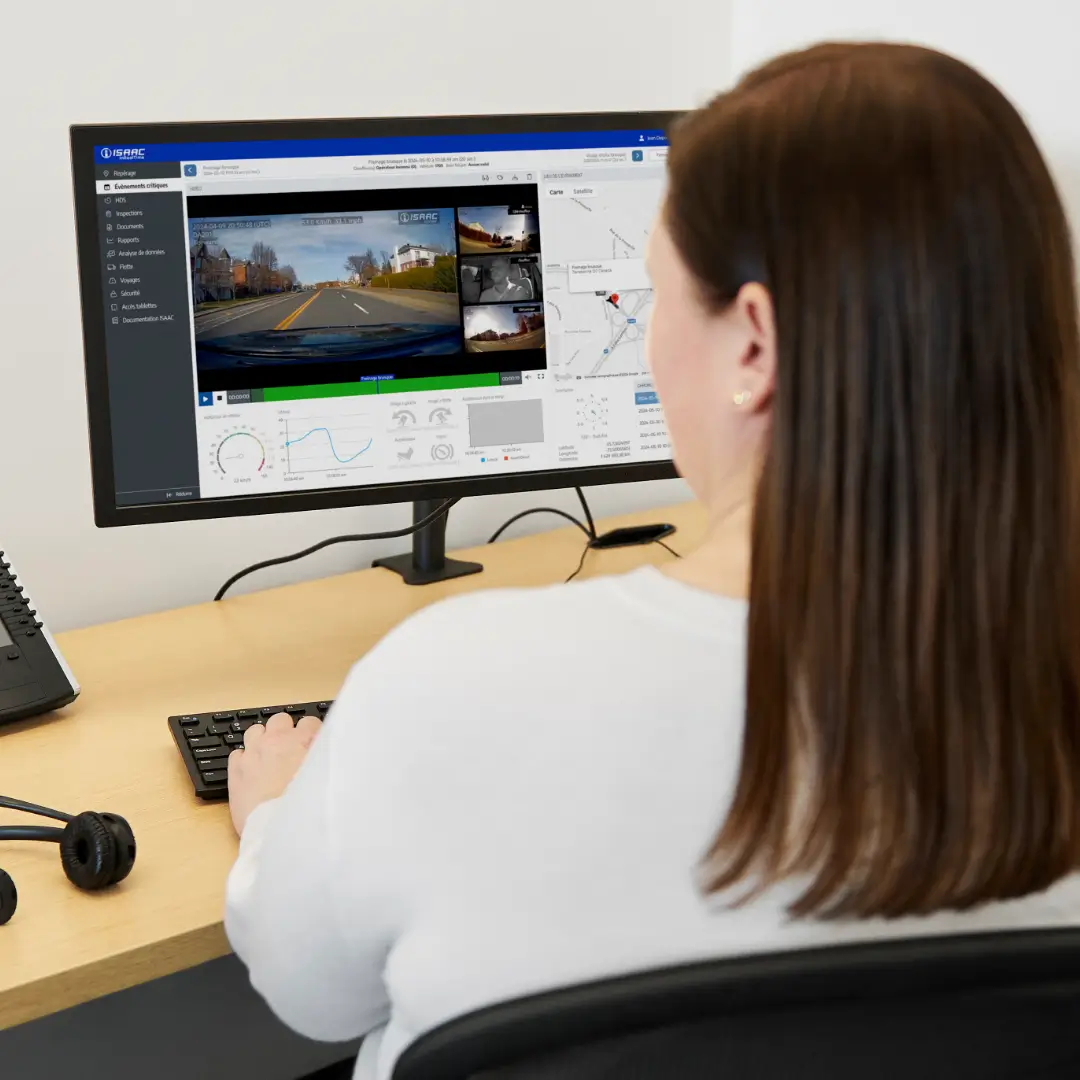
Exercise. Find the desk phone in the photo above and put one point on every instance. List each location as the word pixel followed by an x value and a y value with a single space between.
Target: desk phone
pixel 34 678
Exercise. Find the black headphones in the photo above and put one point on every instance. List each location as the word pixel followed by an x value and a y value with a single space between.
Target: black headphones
pixel 96 850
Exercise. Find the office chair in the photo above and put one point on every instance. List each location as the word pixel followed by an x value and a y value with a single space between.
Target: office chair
pixel 977 1007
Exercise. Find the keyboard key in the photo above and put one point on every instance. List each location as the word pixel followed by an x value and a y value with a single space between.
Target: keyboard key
pixel 210 765
pixel 234 740
pixel 212 740
pixel 218 776
pixel 323 706
pixel 187 721
pixel 211 752
pixel 219 729
pixel 271 710
pixel 224 716
pixel 247 714
pixel 240 725
pixel 295 710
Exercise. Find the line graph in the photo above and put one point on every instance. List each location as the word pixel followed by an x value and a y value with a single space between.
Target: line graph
pixel 327 443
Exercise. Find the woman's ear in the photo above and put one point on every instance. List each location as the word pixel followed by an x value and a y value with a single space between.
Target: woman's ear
pixel 752 316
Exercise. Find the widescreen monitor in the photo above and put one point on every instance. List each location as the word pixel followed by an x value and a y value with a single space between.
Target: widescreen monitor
pixel 294 315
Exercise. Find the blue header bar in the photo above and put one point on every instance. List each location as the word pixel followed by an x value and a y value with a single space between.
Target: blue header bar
pixel 418 144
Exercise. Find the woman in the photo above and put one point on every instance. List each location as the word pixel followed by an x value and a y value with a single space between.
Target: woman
pixel 853 712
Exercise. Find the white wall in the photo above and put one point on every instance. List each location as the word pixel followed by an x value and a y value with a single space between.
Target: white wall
pixel 1029 50
pixel 68 61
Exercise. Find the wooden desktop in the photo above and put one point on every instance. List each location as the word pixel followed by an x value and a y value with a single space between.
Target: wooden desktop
pixel 111 750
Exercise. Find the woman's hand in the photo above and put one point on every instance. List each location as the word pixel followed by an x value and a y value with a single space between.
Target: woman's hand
pixel 269 760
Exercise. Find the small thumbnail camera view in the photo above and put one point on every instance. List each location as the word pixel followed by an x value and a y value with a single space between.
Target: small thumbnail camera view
pixel 484 230
pixel 296 288
pixel 495 279
pixel 504 327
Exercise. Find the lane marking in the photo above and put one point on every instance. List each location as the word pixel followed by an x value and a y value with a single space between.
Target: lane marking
pixel 290 319
pixel 363 309
pixel 207 320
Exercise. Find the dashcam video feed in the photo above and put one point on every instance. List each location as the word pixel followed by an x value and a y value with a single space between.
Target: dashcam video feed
pixel 483 230
pixel 496 279
pixel 504 327
pixel 295 289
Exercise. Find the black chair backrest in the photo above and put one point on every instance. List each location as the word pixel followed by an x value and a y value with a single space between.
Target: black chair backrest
pixel 983 1007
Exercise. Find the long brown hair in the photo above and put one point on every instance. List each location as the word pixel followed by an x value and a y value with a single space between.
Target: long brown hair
pixel 912 738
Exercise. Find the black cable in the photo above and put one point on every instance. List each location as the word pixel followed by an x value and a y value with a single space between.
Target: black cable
pixel 589 530
pixel 580 565
pixel 588 513
pixel 9 803
pixel 588 548
pixel 31 832
pixel 538 510
pixel 348 538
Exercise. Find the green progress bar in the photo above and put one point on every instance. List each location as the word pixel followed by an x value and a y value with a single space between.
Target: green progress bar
pixel 383 386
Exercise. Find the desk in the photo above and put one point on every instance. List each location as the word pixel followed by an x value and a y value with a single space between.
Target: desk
pixel 111 750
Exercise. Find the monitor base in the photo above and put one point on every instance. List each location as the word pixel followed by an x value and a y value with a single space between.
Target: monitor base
pixel 412 574
pixel 427 562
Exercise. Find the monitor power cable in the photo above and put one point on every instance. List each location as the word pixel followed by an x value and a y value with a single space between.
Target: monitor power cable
pixel 348 538
pixel 588 529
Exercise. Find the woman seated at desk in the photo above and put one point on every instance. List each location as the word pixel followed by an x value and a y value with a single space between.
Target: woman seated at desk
pixel 854 712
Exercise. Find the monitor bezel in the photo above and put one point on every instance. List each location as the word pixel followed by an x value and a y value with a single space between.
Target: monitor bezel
pixel 83 139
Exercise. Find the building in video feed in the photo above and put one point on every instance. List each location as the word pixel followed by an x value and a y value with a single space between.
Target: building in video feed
pixel 484 230
pixel 365 285
pixel 504 327
pixel 496 279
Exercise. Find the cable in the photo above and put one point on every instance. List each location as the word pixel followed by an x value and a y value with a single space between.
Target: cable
pixel 30 832
pixel 580 565
pixel 588 548
pixel 348 538
pixel 32 808
pixel 588 513
pixel 589 530
pixel 538 510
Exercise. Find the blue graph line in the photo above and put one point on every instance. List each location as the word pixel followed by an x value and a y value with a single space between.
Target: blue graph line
pixel 330 439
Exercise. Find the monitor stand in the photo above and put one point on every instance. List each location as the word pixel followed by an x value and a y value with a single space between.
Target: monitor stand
pixel 427 562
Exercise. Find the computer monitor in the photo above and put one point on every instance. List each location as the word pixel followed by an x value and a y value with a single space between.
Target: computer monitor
pixel 282 316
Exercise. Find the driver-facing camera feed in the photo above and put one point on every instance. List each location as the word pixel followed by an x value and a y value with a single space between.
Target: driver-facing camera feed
pixel 496 279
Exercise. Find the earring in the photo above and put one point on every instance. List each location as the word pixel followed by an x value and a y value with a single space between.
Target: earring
pixel 742 397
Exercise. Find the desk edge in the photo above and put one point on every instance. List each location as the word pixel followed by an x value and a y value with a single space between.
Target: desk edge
pixel 75 986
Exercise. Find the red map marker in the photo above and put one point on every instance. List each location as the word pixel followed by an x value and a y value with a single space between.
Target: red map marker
pixel 613 299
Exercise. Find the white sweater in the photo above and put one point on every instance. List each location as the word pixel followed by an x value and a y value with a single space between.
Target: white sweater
pixel 511 794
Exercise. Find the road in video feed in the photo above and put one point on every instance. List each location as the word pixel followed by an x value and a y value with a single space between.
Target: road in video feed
pixel 292 289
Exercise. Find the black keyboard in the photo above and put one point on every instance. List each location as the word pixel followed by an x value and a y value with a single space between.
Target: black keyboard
pixel 205 740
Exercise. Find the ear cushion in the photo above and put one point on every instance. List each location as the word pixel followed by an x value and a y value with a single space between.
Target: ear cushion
pixel 9 897
pixel 88 851
pixel 125 845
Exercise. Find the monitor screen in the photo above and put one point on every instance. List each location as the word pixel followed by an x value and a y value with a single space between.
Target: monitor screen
pixel 288 315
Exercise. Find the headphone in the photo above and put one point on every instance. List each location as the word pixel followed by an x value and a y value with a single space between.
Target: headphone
pixel 96 850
